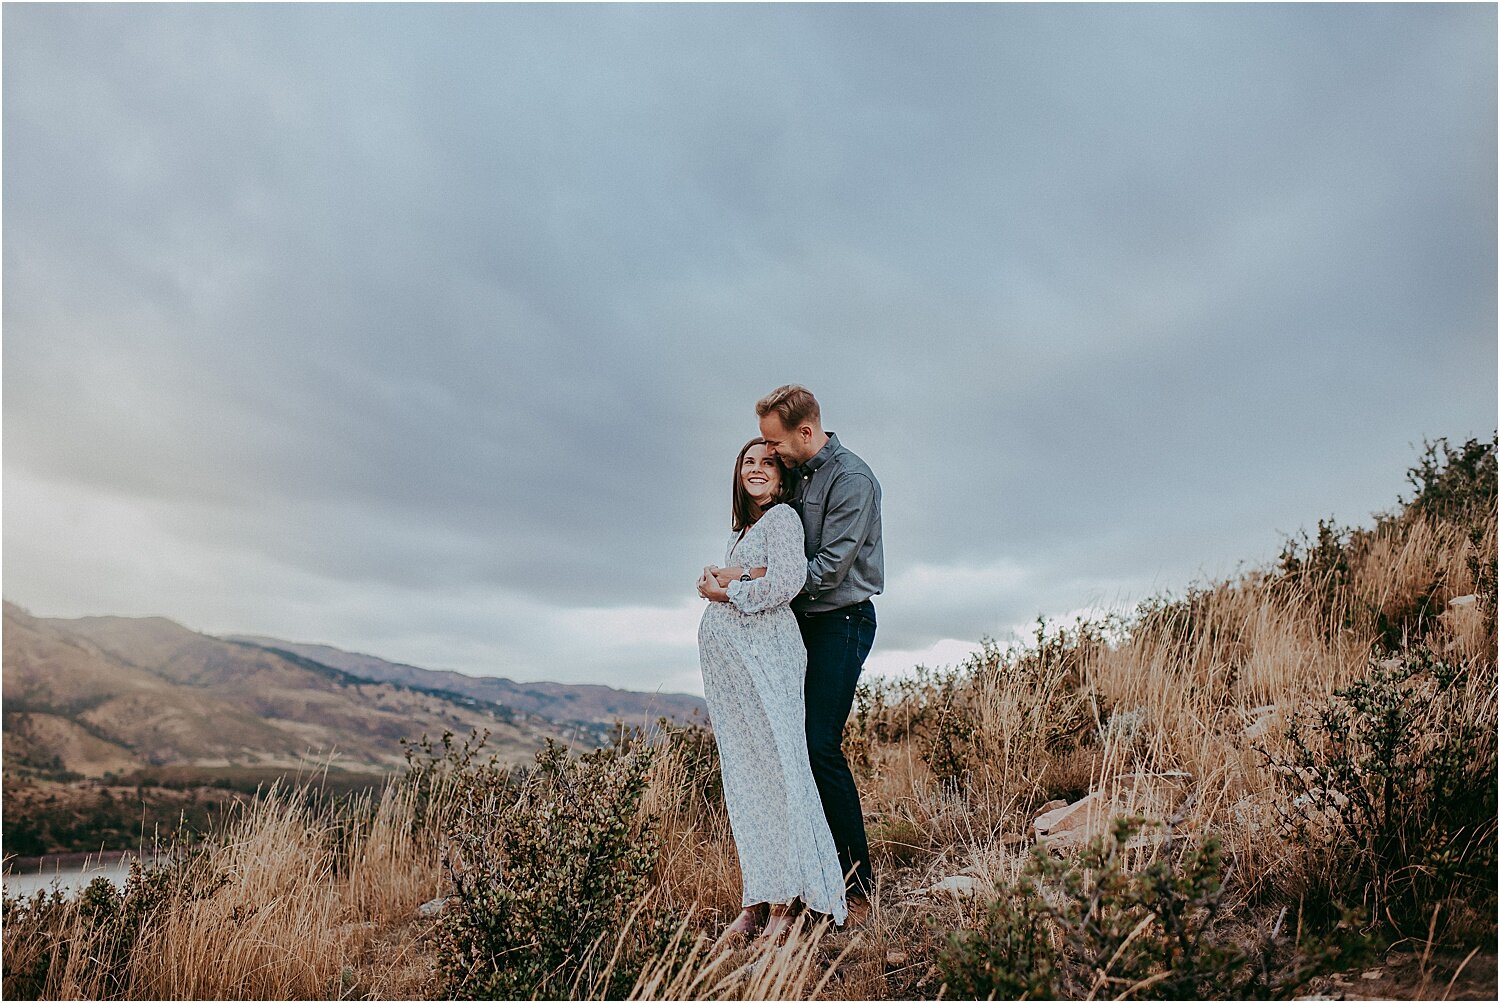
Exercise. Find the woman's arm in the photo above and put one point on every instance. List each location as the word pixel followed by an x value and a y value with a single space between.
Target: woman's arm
pixel 713 581
pixel 786 566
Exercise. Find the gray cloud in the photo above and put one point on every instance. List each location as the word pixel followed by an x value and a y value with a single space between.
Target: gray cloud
pixel 450 318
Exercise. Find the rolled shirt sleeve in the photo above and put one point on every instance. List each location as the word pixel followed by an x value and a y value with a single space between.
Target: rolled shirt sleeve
pixel 851 509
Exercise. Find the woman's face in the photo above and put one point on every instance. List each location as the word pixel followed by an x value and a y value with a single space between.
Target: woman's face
pixel 760 474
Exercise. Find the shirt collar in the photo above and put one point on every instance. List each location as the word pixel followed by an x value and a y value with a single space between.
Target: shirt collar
pixel 823 455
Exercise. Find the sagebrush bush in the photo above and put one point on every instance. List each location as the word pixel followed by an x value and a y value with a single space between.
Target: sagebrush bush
pixel 1095 926
pixel 550 871
pixel 434 772
pixel 1389 789
pixel 1317 569
pixel 1457 485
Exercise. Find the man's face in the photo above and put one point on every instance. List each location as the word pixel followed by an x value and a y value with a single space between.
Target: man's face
pixel 794 445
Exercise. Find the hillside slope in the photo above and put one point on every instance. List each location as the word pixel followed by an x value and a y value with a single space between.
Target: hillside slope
pixel 111 694
pixel 562 702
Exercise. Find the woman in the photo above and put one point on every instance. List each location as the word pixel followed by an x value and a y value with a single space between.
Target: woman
pixel 753 666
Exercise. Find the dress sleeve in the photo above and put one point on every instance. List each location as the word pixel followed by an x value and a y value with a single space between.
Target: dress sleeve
pixel 786 567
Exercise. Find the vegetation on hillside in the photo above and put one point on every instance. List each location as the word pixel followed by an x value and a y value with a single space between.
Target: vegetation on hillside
pixel 1331 720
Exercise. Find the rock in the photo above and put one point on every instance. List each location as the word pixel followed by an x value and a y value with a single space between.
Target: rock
pixel 895 959
pixel 1373 974
pixel 1051 818
pixel 1319 799
pixel 1253 814
pixel 432 907
pixel 1463 600
pixel 1154 796
pixel 1051 806
pixel 1259 728
pixel 1261 720
pixel 959 885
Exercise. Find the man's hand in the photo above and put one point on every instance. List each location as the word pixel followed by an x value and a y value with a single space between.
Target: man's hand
pixel 726 575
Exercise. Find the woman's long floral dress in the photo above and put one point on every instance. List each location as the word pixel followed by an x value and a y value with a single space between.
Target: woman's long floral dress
pixel 753 665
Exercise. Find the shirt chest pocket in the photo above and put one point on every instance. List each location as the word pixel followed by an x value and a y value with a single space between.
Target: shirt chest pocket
pixel 812 524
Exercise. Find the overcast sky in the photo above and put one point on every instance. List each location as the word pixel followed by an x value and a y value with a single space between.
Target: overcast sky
pixel 433 332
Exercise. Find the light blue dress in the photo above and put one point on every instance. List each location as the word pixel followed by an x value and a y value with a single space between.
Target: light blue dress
pixel 753 665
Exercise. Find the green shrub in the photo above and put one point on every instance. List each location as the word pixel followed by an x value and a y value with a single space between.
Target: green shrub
pixel 1390 790
pixel 1318 568
pixel 1010 955
pixel 548 868
pixel 1457 485
pixel 1093 926
pixel 931 707
pixel 35 940
pixel 434 770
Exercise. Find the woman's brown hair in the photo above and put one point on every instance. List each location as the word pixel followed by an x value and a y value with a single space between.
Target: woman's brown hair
pixel 744 514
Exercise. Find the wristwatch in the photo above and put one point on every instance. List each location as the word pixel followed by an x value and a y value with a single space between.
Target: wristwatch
pixel 745 577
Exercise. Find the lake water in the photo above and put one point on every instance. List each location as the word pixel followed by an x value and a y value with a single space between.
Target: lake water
pixel 68 877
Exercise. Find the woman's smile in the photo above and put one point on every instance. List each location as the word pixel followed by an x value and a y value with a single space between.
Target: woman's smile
pixel 760 473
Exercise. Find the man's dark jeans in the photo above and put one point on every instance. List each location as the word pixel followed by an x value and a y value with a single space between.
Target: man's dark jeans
pixel 837 643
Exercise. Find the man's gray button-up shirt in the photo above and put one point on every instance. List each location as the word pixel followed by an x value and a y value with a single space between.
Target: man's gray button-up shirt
pixel 839 501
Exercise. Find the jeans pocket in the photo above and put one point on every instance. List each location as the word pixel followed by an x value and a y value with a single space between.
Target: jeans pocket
pixel 866 637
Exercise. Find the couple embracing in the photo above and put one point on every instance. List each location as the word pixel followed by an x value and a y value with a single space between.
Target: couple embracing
pixel 782 642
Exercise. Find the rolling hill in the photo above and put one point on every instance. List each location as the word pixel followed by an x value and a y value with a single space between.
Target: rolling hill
pixel 113 694
pixel 561 702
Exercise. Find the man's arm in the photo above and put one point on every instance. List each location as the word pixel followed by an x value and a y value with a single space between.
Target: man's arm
pixel 727 575
pixel 847 517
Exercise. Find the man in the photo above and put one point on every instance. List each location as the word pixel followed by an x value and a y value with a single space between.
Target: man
pixel 839 501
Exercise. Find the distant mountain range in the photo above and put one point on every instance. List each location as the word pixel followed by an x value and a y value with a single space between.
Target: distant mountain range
pixel 116 694
pixel 555 701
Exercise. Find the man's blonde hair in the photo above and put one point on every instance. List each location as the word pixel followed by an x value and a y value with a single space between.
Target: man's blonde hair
pixel 794 404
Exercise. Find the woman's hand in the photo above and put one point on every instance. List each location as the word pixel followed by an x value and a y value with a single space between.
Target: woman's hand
pixel 709 587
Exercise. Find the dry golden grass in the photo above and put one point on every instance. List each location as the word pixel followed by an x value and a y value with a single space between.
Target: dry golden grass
pixel 696 966
pixel 304 893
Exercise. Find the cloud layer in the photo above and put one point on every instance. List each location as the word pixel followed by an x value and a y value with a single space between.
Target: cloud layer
pixel 432 331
